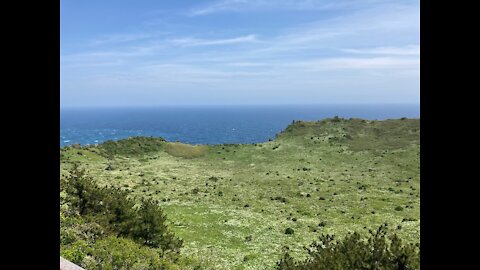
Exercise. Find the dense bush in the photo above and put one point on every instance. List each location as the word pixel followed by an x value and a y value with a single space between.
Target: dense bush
pixel 336 119
pixel 100 212
pixel 379 251
pixel 131 146
pixel 119 253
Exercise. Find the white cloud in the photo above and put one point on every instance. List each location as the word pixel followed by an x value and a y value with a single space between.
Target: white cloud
pixel 217 6
pixel 248 64
pixel 366 28
pixel 406 50
pixel 187 42
pixel 120 38
pixel 367 31
pixel 374 49
pixel 269 5
pixel 382 63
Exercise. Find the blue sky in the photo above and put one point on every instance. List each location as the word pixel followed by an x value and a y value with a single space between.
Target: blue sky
pixel 134 53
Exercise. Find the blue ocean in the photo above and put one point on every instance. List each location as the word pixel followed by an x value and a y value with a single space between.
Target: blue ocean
pixel 207 125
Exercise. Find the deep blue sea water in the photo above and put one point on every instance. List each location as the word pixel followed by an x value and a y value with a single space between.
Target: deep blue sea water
pixel 207 125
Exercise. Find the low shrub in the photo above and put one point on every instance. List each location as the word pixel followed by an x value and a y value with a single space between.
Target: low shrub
pixel 111 209
pixel 379 250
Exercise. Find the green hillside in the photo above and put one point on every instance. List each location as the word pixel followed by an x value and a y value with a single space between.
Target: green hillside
pixel 232 204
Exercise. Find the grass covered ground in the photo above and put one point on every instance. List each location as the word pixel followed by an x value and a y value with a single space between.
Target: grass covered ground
pixel 232 204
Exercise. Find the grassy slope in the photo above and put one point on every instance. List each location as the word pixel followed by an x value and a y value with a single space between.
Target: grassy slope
pixel 362 170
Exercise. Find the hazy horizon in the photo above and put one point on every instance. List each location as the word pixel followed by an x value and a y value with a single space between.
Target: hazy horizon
pixel 120 106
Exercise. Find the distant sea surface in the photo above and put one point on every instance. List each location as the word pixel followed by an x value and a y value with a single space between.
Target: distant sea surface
pixel 207 125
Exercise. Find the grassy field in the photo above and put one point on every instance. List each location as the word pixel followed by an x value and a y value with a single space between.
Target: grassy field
pixel 231 204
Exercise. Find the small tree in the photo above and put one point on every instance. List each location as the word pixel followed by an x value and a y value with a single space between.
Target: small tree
pixel 336 119
pixel 151 230
pixel 85 197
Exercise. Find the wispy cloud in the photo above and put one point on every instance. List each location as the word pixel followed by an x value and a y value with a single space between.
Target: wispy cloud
pixel 187 42
pixel 102 58
pixel 360 64
pixel 368 29
pixel 217 7
pixel 248 64
pixel 363 28
pixel 374 48
pixel 405 50
pixel 120 38
pixel 268 5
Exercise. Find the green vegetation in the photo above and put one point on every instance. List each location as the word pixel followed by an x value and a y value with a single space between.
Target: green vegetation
pixel 131 147
pixel 231 204
pixel 102 228
pixel 379 251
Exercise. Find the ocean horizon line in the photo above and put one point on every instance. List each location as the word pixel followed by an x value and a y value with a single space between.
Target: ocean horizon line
pixel 233 105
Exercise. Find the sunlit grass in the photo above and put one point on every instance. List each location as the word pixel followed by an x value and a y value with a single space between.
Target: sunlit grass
pixel 185 150
pixel 346 175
